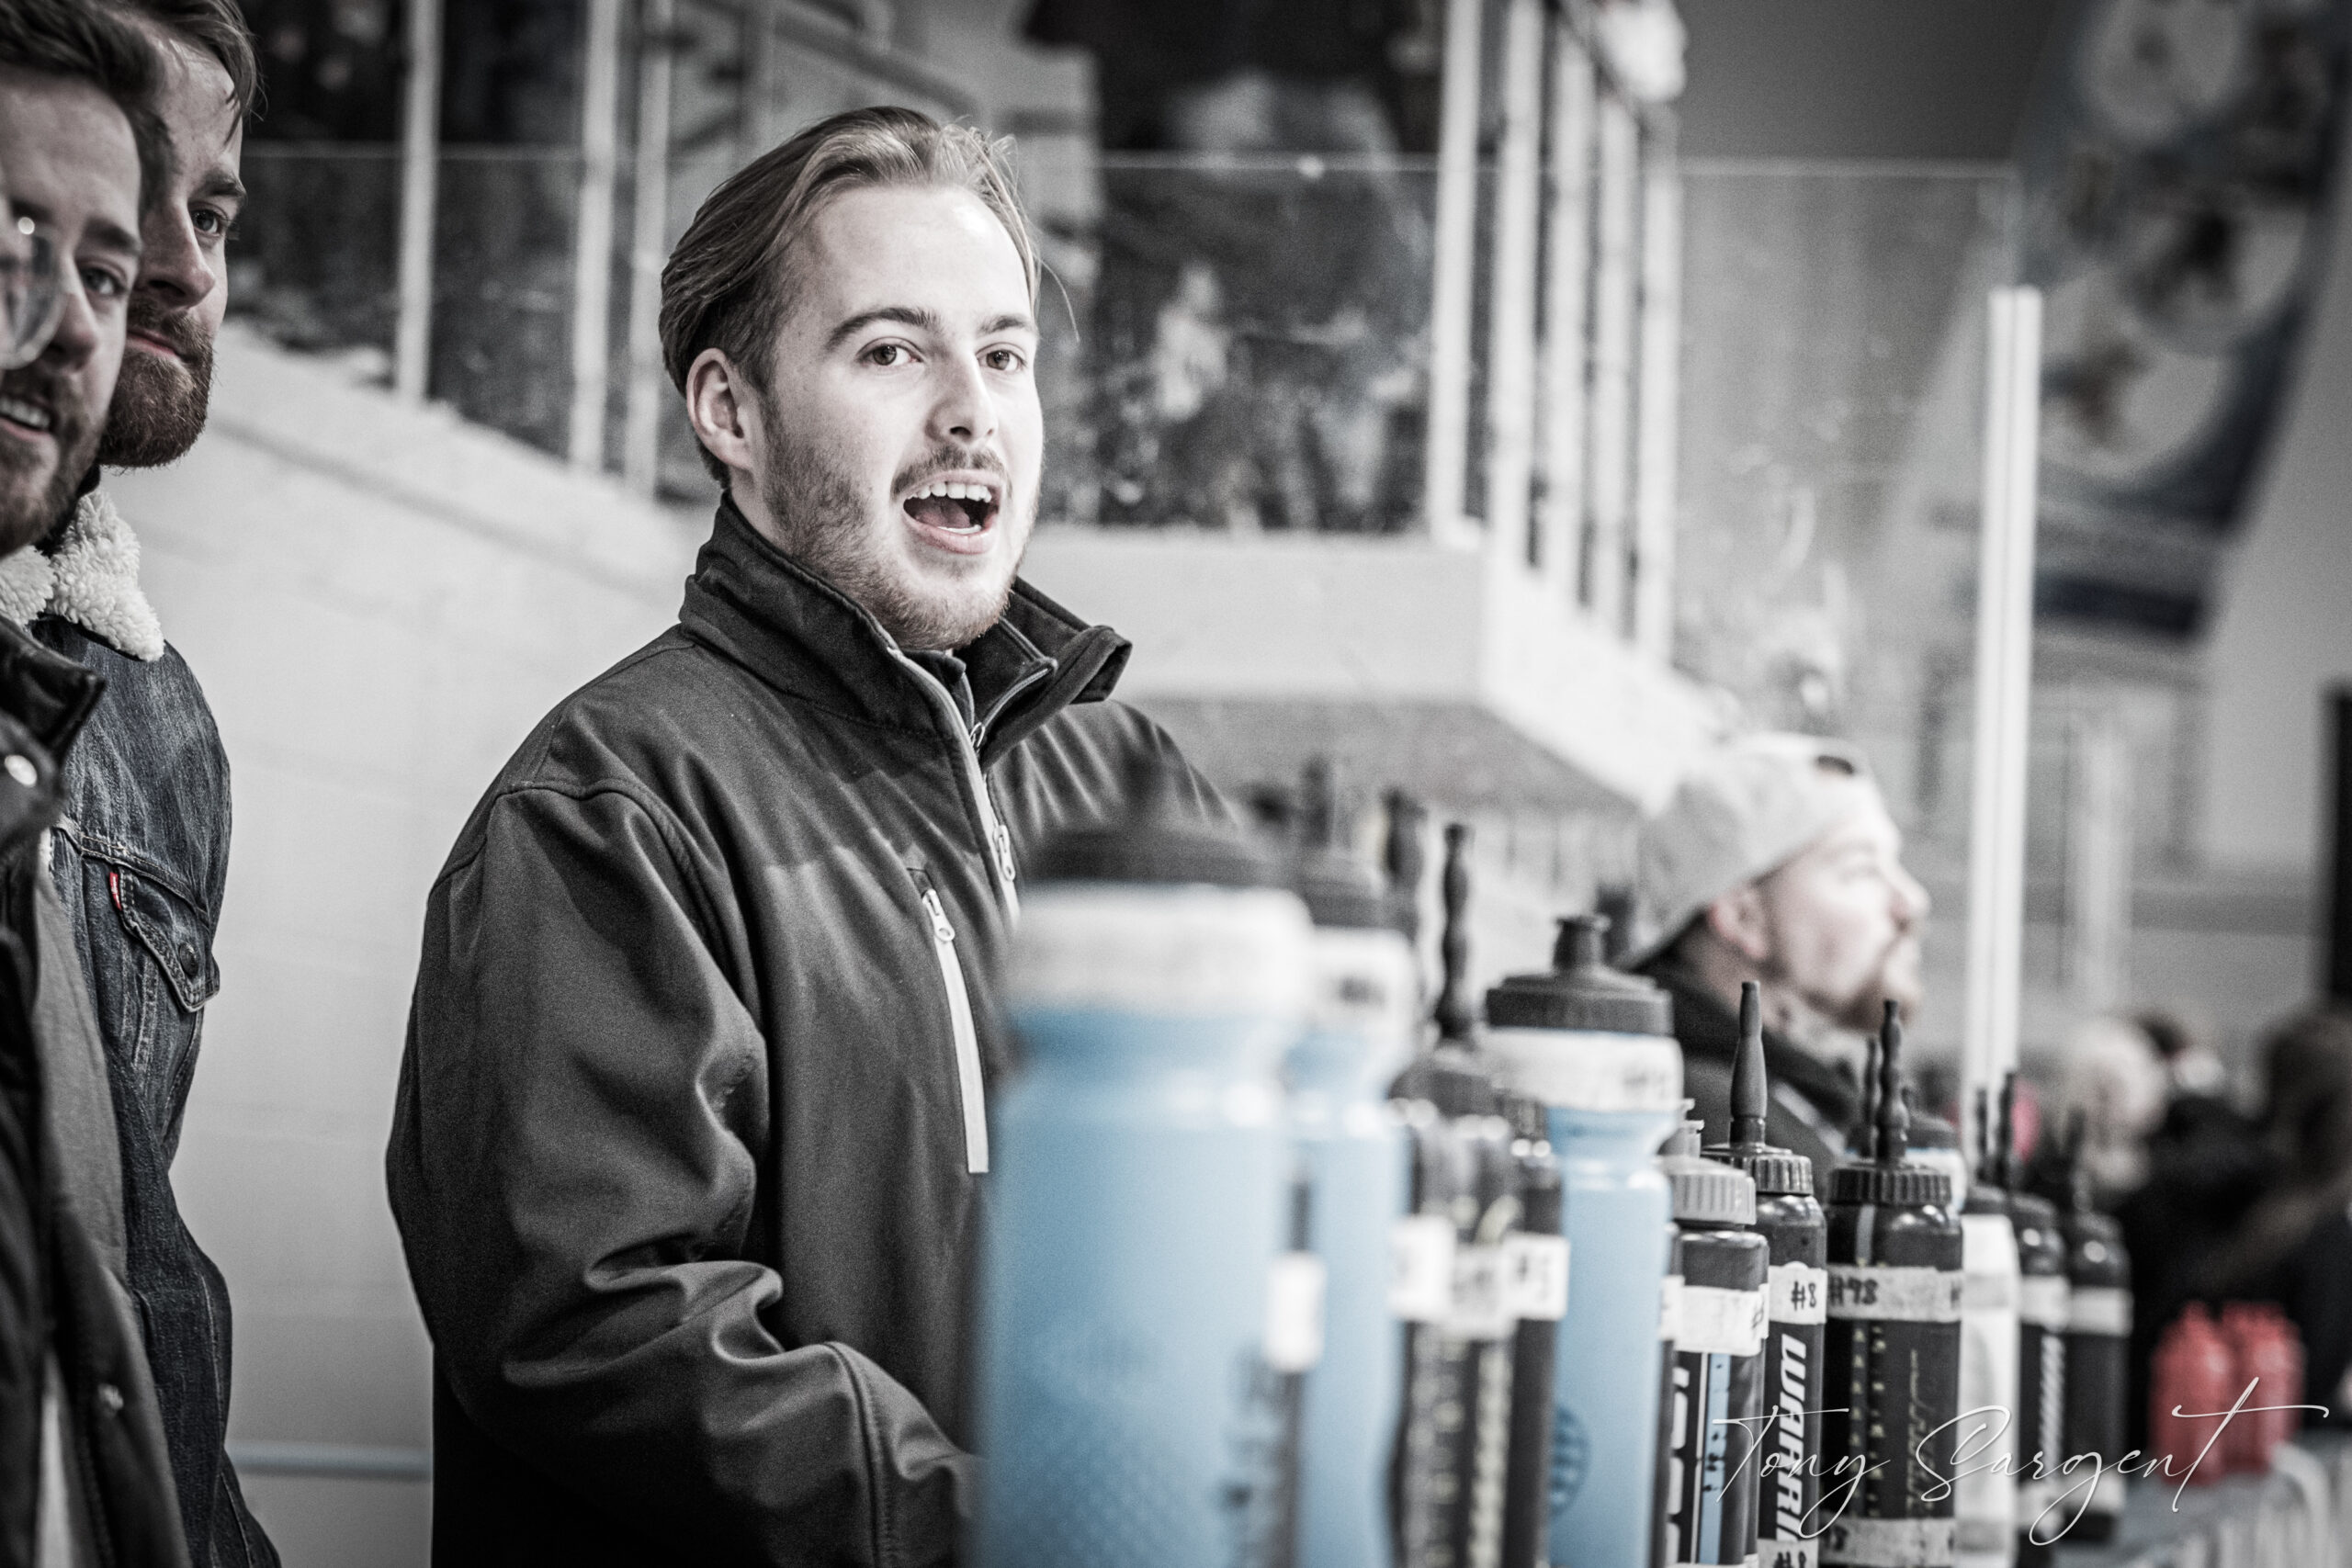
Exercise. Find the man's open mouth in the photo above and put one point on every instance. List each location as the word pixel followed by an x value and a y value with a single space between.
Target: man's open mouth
pixel 24 414
pixel 955 513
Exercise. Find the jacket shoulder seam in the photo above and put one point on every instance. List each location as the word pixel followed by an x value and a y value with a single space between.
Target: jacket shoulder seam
pixel 664 820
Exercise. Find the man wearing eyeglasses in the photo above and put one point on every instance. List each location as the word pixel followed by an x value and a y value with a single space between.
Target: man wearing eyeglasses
pixel 84 1474
pixel 141 855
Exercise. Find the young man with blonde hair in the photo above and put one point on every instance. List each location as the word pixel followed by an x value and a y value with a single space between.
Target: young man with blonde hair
pixel 692 1124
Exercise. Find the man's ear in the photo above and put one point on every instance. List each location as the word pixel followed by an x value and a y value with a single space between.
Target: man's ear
pixel 723 407
pixel 1737 920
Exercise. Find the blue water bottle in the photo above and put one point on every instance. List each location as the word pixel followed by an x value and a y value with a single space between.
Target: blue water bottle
pixel 1138 1312
pixel 1596 1048
pixel 1356 1165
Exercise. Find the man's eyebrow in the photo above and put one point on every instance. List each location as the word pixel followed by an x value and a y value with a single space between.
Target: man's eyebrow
pixel 909 315
pixel 1016 323
pixel 111 235
pixel 222 185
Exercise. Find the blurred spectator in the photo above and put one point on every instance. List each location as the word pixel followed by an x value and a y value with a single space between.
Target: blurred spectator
pixel 2112 1075
pixel 2190 1062
pixel 2238 1209
pixel 1257 313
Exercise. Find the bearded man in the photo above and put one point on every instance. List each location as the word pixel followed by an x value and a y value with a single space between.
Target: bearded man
pixel 84 1474
pixel 692 1122
pixel 140 854
pixel 1776 861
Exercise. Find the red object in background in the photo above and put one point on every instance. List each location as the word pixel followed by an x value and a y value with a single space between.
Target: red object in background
pixel 2193 1371
pixel 2026 1125
pixel 2268 1353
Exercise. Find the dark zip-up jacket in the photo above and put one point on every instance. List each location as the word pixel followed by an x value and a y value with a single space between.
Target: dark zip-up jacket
pixel 691 1130
pixel 1812 1103
pixel 64 1266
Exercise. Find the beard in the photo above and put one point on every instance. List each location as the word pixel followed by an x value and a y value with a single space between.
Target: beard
pixel 159 404
pixel 823 524
pixel 28 512
pixel 1893 979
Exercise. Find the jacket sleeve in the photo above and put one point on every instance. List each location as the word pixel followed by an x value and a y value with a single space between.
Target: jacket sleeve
pixel 582 1111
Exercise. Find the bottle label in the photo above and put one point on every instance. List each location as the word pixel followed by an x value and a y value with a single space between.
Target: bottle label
pixel 1669 1308
pixel 1366 985
pixel 1711 1475
pixel 1891 1403
pixel 2099 1309
pixel 1800 1292
pixel 1421 1267
pixel 1907 1294
pixel 1295 1312
pixel 1988 1293
pixel 1535 1275
pixel 1720 1322
pixel 1589 1072
pixel 1481 1307
pixel 1787 1480
pixel 2039 1431
pixel 1890 1543
pixel 2041 1299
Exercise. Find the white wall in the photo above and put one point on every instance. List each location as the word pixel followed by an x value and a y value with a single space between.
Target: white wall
pixel 379 602
pixel 2284 630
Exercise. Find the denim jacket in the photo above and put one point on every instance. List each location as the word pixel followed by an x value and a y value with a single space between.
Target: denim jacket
pixel 141 859
pixel 83 1452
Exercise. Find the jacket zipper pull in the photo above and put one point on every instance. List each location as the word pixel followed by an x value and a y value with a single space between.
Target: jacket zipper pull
pixel 940 929
pixel 1004 852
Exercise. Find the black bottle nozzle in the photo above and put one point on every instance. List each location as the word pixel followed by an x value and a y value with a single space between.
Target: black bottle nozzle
pixel 2078 1175
pixel 1580 991
pixel 1453 1010
pixel 1776 1171
pixel 1319 806
pixel 1866 1124
pixel 1400 859
pixel 1894 1119
pixel 1748 1087
pixel 1341 891
pixel 1581 943
pixel 1987 1165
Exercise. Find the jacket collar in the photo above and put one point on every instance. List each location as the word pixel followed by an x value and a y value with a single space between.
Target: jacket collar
pixel 86 571
pixel 44 691
pixel 1710 1030
pixel 751 601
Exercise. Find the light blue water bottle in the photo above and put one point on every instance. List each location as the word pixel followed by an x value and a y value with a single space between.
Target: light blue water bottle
pixel 1596 1048
pixel 1356 1161
pixel 1137 1315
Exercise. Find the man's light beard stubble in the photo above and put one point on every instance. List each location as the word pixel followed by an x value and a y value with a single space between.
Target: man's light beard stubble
pixel 160 404
pixel 76 448
pixel 820 513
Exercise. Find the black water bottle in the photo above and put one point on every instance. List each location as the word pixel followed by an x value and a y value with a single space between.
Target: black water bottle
pixel 1794 1229
pixel 1891 1348
pixel 1454 1446
pixel 2042 1302
pixel 1456 1443
pixel 1536 1283
pixel 2098 1338
pixel 1663 1474
pixel 1427 1484
pixel 1717 1392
